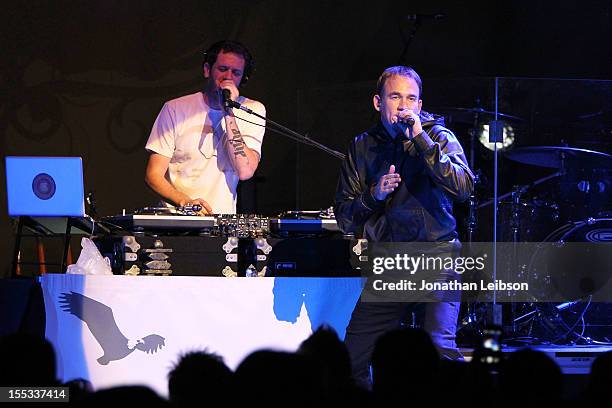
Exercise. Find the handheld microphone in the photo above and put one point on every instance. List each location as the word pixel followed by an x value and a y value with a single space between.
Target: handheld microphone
pixel 226 95
pixel 409 121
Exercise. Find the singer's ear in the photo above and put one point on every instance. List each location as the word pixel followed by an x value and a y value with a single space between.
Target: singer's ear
pixel 376 102
pixel 206 68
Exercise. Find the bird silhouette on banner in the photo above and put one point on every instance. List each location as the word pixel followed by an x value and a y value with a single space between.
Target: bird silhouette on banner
pixel 101 323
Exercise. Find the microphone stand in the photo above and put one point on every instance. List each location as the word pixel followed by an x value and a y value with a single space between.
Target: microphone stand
pixel 285 131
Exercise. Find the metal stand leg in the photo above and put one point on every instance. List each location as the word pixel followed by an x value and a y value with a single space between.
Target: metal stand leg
pixel 66 245
pixel 16 251
pixel 515 225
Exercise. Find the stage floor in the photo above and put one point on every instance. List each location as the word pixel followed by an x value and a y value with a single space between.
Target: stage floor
pixel 576 359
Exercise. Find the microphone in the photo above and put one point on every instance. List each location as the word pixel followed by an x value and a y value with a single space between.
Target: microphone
pixel 226 95
pixel 409 121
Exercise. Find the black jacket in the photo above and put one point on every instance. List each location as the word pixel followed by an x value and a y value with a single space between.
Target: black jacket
pixel 433 170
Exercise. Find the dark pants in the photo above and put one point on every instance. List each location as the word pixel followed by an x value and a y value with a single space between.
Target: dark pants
pixel 370 320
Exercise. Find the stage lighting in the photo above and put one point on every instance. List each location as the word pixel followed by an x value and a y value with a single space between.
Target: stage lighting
pixel 483 137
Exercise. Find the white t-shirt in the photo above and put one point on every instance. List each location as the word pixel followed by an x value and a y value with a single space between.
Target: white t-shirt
pixel 192 135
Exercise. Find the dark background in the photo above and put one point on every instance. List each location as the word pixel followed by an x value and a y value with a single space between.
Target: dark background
pixel 88 79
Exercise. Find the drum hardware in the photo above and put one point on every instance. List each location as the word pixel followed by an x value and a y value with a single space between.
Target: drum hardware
pixel 586 175
pixel 558 322
pixel 515 218
pixel 522 189
pixel 471 115
pixel 583 172
pixel 559 308
pixel 475 116
pixel 560 157
pixel 517 206
pixel 548 323
pixel 472 219
pixel 515 226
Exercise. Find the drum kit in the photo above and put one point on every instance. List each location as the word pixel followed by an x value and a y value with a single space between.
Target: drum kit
pixel 578 193
pixel 571 204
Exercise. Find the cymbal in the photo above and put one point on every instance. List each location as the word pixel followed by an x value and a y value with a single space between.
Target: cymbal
pixel 468 114
pixel 557 157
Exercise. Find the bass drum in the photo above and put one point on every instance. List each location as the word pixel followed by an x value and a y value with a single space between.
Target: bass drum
pixel 594 230
pixel 575 272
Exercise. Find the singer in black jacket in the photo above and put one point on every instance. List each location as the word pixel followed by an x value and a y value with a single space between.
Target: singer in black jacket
pixel 398 184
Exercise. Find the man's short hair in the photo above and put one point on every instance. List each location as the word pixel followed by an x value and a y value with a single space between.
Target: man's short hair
pixel 400 70
pixel 211 54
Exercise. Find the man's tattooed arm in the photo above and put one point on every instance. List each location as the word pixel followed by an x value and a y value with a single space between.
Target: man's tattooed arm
pixel 244 160
pixel 238 143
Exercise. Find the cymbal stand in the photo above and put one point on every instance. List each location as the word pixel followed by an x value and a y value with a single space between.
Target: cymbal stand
pixel 494 310
pixel 472 221
pixel 471 317
pixel 515 218
pixel 473 133
pixel 515 227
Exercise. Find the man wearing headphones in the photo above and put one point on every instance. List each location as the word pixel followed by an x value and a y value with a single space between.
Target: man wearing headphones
pixel 199 149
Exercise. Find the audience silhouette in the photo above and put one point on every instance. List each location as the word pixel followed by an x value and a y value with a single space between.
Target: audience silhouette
pixel 404 362
pixel 406 367
pixel 200 378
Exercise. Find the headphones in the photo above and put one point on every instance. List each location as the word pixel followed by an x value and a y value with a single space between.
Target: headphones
pixel 210 56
